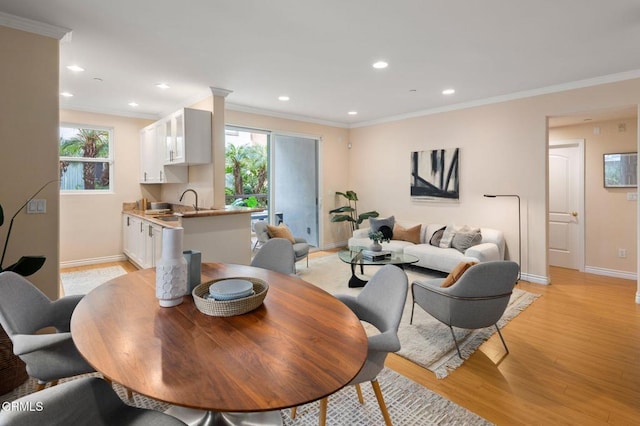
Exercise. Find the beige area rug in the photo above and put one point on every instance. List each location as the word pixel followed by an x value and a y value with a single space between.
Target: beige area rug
pixel 409 404
pixel 82 282
pixel 427 341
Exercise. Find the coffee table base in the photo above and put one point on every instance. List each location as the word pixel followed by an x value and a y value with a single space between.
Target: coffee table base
pixel 194 417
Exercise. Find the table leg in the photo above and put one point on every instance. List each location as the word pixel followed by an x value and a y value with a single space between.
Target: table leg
pixel 354 281
pixel 213 418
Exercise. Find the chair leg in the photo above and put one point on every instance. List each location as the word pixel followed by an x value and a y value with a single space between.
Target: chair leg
pixel 383 406
pixel 502 338
pixel 294 411
pixel 359 391
pixel 322 421
pixel 455 341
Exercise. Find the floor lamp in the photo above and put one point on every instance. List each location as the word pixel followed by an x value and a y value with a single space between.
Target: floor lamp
pixel 519 228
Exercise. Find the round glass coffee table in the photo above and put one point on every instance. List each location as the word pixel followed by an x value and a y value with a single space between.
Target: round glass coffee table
pixel 354 256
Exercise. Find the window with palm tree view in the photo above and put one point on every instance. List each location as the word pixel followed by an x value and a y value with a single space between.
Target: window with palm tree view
pixel 85 159
pixel 246 181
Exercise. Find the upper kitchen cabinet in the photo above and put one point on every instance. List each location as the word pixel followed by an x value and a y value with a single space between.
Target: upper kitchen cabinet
pixel 187 134
pixel 152 168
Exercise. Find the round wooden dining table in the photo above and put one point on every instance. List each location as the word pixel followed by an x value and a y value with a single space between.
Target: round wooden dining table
pixel 300 345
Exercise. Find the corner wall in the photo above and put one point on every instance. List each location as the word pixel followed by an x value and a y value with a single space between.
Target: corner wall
pixel 29 140
pixel 91 224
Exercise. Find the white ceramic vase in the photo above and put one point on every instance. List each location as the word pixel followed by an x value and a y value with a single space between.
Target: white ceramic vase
pixel 171 269
pixel 375 246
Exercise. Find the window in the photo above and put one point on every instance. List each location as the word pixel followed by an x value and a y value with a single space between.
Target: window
pixel 86 162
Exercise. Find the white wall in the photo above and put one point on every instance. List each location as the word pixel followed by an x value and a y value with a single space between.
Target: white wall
pixel 91 224
pixel 503 151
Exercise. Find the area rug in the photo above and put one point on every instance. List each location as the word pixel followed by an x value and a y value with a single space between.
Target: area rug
pixel 82 282
pixel 427 341
pixel 409 404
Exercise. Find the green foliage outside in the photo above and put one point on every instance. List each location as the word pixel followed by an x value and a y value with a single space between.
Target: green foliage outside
pixel 87 143
pixel 246 174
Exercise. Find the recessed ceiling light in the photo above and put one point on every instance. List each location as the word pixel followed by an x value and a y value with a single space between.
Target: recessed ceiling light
pixel 162 86
pixel 66 94
pixel 133 104
pixel 283 98
pixel 75 68
pixel 448 91
pixel 380 65
pixel 353 113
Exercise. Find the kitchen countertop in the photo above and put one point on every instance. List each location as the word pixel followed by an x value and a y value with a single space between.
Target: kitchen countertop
pixel 157 217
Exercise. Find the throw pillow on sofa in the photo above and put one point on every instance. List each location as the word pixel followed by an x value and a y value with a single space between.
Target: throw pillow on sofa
pixel 411 235
pixel 280 231
pixel 456 273
pixel 447 236
pixel 437 237
pixel 381 224
pixel 464 239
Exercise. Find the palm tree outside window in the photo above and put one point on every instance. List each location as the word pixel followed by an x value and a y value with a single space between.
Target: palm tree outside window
pixel 86 162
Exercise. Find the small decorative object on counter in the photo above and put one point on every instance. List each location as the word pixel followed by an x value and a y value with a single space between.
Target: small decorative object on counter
pixel 194 260
pixel 171 269
pixel 377 237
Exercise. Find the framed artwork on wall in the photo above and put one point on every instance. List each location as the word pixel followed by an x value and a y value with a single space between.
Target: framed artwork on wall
pixel 435 174
pixel 621 170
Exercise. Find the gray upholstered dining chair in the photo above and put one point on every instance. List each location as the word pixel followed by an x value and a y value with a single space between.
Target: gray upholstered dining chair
pixel 276 255
pixel 380 303
pixel 300 245
pixel 82 401
pixel 477 300
pixel 24 310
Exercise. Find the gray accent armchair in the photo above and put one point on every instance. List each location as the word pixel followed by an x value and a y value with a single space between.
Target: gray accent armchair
pixel 380 303
pixel 276 255
pixel 84 401
pixel 24 310
pixel 300 245
pixel 477 300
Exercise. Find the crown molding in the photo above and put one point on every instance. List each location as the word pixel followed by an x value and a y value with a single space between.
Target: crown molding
pixel 116 112
pixel 35 27
pixel 253 110
pixel 579 84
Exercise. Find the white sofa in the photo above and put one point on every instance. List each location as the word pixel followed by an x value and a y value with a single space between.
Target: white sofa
pixel 492 247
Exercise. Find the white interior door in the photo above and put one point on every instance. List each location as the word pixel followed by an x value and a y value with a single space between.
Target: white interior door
pixel 566 204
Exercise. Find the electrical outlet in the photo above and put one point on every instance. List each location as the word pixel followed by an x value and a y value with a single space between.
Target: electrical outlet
pixel 622 253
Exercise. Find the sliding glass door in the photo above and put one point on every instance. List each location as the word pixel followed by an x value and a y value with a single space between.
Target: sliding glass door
pixel 294 184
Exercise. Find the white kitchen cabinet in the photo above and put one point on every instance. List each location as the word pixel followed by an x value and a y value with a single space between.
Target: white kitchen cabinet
pixel 142 241
pixel 133 243
pixel 152 168
pixel 187 135
pixel 152 245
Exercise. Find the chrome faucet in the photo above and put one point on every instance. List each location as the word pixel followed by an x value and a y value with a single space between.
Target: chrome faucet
pixel 194 193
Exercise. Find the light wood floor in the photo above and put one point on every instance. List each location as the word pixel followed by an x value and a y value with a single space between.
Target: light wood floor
pixel 574 358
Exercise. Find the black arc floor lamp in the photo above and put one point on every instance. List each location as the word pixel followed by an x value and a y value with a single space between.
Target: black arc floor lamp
pixel 519 228
pixel 26 265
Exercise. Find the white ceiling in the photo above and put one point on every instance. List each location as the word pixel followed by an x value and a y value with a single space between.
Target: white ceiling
pixel 320 53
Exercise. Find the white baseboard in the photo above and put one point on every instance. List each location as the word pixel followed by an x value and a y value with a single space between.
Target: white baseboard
pixel 535 279
pixel 611 273
pixel 93 261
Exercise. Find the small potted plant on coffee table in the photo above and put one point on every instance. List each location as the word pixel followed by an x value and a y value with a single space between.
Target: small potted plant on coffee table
pixel 377 237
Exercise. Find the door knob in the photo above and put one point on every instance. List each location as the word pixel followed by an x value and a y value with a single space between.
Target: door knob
pixel 574 214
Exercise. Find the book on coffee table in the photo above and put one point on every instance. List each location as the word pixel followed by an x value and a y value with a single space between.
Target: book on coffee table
pixel 376 255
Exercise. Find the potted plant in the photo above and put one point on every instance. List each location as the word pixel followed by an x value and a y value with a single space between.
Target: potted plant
pixel 377 237
pixel 349 213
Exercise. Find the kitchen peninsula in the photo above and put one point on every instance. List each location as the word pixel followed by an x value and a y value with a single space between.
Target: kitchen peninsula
pixel 220 235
